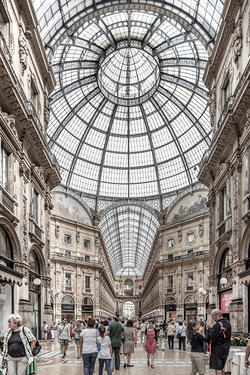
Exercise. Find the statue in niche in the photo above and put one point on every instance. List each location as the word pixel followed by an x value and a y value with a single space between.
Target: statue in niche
pixel 201 230
pixel 237 40
pixel 179 236
pixel 23 52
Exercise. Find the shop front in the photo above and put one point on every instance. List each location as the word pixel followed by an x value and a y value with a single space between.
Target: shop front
pixel 68 308
pixel 190 308
pixel 8 279
pixel 170 309
pixel 35 294
pixel 225 300
pixel 87 308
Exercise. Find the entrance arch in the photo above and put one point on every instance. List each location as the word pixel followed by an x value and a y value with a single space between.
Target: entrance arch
pixel 170 309
pixel 128 310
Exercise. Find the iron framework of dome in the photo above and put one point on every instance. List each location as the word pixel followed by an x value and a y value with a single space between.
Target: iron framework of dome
pixel 129 116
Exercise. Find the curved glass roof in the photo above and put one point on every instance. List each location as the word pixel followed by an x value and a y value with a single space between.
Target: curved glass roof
pixel 128 232
pixel 129 116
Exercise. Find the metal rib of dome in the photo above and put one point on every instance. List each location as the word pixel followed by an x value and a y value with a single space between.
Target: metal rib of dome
pixel 149 148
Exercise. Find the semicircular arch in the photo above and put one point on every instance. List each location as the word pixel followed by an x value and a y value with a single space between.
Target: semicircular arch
pixel 40 258
pixel 13 237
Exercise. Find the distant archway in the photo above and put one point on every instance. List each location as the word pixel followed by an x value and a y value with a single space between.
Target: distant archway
pixel 128 310
pixel 128 287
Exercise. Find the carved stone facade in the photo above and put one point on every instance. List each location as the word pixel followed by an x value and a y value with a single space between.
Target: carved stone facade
pixel 225 170
pixel 80 268
pixel 176 277
pixel 28 172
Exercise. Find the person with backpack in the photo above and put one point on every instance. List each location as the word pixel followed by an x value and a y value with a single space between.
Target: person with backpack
pixel 105 351
pixel 220 340
pixel 18 345
pixel 181 335
pixel 115 331
pixel 64 336
pixel 196 338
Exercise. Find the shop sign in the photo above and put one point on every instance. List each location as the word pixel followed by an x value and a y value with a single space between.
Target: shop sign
pixel 170 307
pixel 68 307
pixel 225 300
pixel 87 307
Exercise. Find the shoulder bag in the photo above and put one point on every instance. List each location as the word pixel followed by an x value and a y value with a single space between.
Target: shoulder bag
pixel 37 347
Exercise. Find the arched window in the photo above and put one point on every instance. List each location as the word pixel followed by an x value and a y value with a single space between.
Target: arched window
pixel 87 301
pixel 226 261
pixel 87 305
pixel 248 259
pixel 68 304
pixel 34 263
pixel 6 254
pixel 128 287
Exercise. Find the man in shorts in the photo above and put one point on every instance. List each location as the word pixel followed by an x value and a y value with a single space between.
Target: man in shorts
pixel 64 336
pixel 220 339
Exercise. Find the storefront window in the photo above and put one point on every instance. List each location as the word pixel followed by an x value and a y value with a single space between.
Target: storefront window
pixel 6 251
pixel 5 307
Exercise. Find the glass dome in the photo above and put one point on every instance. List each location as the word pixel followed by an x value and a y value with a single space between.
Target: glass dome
pixel 129 116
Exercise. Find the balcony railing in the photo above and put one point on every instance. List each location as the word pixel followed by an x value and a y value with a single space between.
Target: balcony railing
pixel 28 105
pixel 184 257
pixel 73 259
pixel 169 290
pixel 38 231
pixel 7 202
pixel 222 229
pixel 87 290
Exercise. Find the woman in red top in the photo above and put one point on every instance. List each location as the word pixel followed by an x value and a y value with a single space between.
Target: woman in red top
pixel 151 342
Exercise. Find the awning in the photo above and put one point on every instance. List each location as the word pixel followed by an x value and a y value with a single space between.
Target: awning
pixel 10 277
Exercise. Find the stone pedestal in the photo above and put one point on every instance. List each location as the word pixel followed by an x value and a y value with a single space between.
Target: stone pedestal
pixel 25 311
pixel 236 316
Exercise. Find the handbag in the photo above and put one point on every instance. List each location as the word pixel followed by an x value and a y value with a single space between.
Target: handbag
pixel 37 347
pixel 112 364
pixel 98 344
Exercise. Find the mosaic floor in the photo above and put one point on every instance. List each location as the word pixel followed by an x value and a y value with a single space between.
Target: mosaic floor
pixel 167 362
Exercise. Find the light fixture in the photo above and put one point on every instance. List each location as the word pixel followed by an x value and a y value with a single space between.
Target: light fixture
pixel 37 281
pixel 223 281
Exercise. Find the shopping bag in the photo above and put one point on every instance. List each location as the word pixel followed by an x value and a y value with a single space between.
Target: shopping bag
pixel 112 365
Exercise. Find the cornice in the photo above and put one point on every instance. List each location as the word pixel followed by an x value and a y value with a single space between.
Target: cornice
pixel 229 13
pixel 31 32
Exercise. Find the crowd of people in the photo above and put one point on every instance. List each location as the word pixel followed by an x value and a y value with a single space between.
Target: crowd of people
pixel 108 339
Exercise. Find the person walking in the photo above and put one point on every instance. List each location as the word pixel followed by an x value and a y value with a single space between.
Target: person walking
pixel 77 332
pixel 64 336
pixel 19 342
pixel 114 332
pixel 53 329
pixel 220 340
pixel 150 343
pixel 142 331
pixel 105 352
pixel 196 338
pixel 45 329
pixel 181 335
pixel 88 347
pixel 129 344
pixel 171 333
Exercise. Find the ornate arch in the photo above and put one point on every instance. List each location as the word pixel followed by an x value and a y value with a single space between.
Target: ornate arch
pixel 218 256
pixel 67 295
pixel 16 248
pixel 40 257
pixel 245 243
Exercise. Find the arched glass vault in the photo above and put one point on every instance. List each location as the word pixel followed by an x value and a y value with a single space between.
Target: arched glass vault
pixel 129 116
pixel 128 232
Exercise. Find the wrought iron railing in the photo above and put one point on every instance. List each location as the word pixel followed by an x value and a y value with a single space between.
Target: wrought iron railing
pixel 222 229
pixel 37 231
pixel 7 202
pixel 28 105
pixel 183 257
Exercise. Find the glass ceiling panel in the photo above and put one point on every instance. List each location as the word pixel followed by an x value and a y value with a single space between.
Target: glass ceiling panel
pixel 128 233
pixel 129 99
